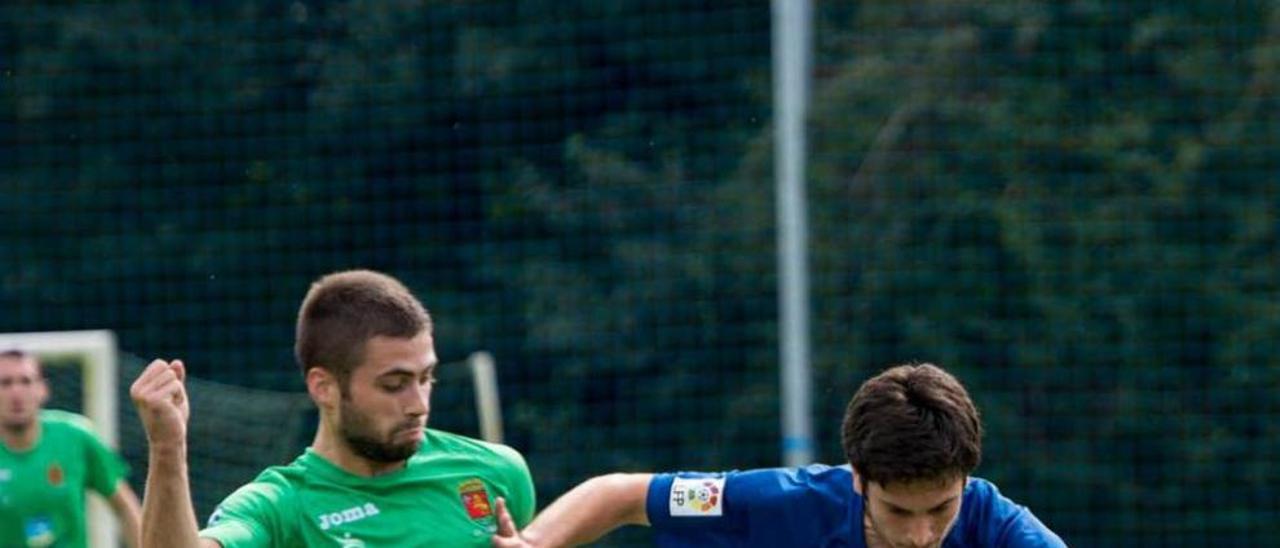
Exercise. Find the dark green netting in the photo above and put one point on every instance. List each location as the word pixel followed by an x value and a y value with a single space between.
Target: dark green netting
pixel 1072 205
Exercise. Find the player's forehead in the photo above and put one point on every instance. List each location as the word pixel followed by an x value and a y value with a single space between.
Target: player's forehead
pixel 19 366
pixel 918 495
pixel 391 355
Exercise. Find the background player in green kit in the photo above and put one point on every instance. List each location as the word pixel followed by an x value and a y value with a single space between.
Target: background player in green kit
pixel 374 475
pixel 48 459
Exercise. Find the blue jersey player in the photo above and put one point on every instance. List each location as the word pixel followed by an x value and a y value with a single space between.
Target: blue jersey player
pixel 912 436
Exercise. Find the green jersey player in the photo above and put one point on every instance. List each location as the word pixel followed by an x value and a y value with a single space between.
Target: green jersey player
pixel 374 474
pixel 48 459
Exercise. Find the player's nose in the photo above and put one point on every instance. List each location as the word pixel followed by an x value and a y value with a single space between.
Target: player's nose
pixel 920 534
pixel 419 402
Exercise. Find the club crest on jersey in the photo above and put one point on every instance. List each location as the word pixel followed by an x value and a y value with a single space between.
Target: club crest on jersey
pixel 55 475
pixel 475 499
pixel 697 497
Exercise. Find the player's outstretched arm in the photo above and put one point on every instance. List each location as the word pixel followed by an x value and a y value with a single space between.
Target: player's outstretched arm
pixel 584 514
pixel 124 502
pixel 168 518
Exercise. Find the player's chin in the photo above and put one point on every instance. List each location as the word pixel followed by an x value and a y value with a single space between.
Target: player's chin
pixel 398 448
pixel 407 449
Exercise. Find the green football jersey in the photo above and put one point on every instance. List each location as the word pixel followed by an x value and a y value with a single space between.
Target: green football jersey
pixel 42 489
pixel 444 496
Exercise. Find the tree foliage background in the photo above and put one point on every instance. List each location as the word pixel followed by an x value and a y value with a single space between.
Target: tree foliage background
pixel 1072 205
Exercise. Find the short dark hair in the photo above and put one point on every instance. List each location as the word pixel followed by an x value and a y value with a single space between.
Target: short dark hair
pixel 912 423
pixel 344 310
pixel 14 354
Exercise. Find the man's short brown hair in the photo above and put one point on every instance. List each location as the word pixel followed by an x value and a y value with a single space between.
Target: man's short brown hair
pixel 344 310
pixel 912 423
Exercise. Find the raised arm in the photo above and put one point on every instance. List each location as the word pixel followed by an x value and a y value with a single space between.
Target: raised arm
pixel 584 514
pixel 168 518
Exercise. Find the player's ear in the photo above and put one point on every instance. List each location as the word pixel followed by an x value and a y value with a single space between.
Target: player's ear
pixel 323 387
pixel 857 482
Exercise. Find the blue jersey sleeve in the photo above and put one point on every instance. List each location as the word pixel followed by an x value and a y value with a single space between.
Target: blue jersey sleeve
pixel 766 507
pixel 690 509
pixel 991 519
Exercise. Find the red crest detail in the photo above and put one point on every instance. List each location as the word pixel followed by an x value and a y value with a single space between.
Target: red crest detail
pixel 475 499
pixel 55 475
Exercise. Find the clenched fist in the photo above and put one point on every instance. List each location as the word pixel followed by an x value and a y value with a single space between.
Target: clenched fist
pixel 162 403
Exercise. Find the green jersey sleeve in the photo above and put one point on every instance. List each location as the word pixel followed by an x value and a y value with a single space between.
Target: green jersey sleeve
pixel 103 466
pixel 249 517
pixel 521 500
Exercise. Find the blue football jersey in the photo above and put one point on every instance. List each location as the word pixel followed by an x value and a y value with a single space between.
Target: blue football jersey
pixel 813 506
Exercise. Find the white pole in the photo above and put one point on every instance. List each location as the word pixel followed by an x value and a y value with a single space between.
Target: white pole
pixel 484 379
pixel 792 28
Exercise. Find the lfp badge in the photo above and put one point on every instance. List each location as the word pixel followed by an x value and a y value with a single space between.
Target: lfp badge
pixel 475 499
pixel 700 497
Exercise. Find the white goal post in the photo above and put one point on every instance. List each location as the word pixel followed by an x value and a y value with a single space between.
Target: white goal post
pixel 96 351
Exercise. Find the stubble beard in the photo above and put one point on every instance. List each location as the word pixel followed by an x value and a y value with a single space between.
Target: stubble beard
pixel 359 434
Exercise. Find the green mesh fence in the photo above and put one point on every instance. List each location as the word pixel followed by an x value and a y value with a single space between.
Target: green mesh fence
pixel 1069 204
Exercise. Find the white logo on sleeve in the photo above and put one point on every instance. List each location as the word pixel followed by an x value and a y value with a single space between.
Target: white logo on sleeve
pixel 698 497
pixel 215 517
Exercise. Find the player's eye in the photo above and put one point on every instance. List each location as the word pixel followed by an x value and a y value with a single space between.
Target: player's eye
pixel 394 386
